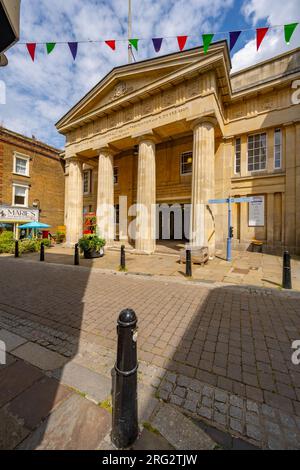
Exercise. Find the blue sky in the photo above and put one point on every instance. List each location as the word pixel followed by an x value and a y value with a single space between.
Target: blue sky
pixel 39 93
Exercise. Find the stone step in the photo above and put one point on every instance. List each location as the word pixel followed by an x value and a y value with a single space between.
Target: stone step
pixel 180 431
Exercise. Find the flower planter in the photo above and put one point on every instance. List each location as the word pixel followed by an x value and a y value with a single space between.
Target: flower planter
pixel 91 254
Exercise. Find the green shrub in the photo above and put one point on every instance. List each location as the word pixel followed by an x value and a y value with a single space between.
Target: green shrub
pixel 6 242
pixel 91 242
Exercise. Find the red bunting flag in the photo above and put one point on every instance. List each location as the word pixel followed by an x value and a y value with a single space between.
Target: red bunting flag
pixel 260 34
pixel 31 47
pixel 182 41
pixel 111 44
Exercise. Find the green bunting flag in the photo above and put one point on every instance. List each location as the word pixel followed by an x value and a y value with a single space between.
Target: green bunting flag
pixel 134 43
pixel 289 31
pixel 50 46
pixel 206 38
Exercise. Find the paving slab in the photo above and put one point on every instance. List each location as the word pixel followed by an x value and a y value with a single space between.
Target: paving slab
pixel 147 402
pixel 12 431
pixel 93 384
pixel 77 424
pixel 149 440
pixel 38 401
pixel 9 359
pixel 40 357
pixel 15 379
pixel 180 431
pixel 11 340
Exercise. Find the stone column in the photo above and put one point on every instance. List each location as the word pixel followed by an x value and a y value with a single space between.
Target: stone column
pixel 105 197
pixel 146 197
pixel 203 184
pixel 74 201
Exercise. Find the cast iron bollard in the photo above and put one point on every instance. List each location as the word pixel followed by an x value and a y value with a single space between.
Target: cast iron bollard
pixel 76 255
pixel 42 255
pixel 286 272
pixel 125 412
pixel 123 260
pixel 188 264
pixel 17 249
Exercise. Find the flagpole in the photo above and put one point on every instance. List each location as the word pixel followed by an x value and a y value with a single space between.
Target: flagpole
pixel 129 32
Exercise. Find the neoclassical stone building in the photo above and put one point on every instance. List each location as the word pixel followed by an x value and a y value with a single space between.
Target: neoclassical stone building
pixel 181 129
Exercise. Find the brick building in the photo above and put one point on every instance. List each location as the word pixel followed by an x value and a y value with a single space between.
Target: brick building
pixel 31 182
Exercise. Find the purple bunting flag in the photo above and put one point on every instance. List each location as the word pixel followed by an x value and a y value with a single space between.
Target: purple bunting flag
pixel 73 48
pixel 157 42
pixel 233 36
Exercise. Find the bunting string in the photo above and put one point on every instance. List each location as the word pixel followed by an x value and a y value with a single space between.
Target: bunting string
pixel 207 39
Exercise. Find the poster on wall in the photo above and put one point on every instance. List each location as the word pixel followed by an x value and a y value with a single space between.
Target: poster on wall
pixel 257 212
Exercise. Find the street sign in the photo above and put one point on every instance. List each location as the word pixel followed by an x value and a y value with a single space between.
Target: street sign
pixel 229 201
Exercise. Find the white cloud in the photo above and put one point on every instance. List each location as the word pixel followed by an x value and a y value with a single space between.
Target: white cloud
pixel 272 13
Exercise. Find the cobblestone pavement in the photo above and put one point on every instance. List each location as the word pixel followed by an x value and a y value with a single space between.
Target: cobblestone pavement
pixel 222 354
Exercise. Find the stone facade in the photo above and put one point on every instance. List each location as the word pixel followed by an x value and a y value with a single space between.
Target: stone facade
pixel 40 176
pixel 151 119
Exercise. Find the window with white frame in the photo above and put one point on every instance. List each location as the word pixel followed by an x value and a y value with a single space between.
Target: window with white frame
pixel 21 165
pixel 277 148
pixel 20 195
pixel 257 152
pixel 186 163
pixel 87 179
pixel 237 160
pixel 116 175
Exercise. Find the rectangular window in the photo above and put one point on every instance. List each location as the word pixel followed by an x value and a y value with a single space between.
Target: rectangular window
pixel 21 165
pixel 20 196
pixel 237 163
pixel 87 181
pixel 186 163
pixel 277 148
pixel 257 152
pixel 116 175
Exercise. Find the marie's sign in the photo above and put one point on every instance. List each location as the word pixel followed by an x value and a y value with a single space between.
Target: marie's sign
pixel 16 214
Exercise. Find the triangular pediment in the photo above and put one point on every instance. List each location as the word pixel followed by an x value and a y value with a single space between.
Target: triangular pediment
pixel 126 82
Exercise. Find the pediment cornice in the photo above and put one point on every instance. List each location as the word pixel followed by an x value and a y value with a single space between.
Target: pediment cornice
pixel 115 91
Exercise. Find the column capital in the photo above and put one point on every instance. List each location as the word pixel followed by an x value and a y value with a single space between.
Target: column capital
pixel 146 136
pixel 74 159
pixel 211 120
pixel 107 150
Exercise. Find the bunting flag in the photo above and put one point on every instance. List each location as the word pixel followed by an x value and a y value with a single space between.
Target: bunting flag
pixel 50 46
pixel 206 38
pixel 112 44
pixel 181 41
pixel 73 48
pixel 289 31
pixel 31 47
pixel 134 43
pixel 260 34
pixel 233 37
pixel 157 42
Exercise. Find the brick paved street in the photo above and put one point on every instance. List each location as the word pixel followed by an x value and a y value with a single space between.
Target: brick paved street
pixel 222 354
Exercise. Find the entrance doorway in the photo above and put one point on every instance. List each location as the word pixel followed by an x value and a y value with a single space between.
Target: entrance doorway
pixel 173 222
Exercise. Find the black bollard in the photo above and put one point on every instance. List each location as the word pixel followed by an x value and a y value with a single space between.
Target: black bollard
pixel 42 254
pixel 123 260
pixel 188 264
pixel 17 249
pixel 125 410
pixel 286 271
pixel 76 255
